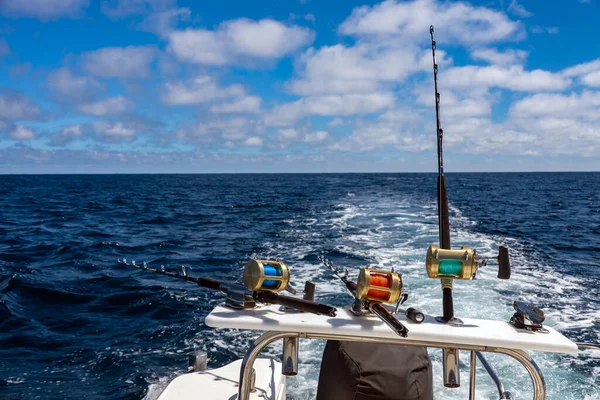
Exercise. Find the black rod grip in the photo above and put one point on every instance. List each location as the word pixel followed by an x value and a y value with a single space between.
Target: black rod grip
pixel 292 302
pixel 352 287
pixel 389 319
pixel 503 263
pixel 447 304
pixel 207 283
pixel 444 218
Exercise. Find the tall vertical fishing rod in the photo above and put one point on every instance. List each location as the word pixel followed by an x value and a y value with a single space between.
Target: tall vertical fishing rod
pixel 442 195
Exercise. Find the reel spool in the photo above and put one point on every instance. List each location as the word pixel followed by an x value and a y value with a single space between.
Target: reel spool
pixel 266 275
pixel 379 286
pixel 451 264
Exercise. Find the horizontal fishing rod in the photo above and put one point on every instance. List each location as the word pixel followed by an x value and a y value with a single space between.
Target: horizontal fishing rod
pixel 266 282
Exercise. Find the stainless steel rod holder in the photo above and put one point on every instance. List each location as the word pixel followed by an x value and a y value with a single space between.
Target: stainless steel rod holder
pixel 472 375
pixel 450 366
pixel 290 356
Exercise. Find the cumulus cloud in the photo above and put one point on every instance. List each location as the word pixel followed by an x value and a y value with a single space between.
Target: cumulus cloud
pixel 114 131
pixel 409 21
pixel 358 69
pixel 584 105
pixel 236 40
pixel 512 77
pixel 69 87
pixel 111 106
pixel 199 90
pixel 205 89
pixel 587 73
pixel 15 106
pixel 67 134
pixel 120 62
pixel 518 10
pixel 245 104
pixel 22 133
pixel 160 16
pixel 493 56
pixel 44 10
pixel 334 105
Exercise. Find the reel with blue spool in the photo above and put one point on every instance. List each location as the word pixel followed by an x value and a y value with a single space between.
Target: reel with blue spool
pixel 266 275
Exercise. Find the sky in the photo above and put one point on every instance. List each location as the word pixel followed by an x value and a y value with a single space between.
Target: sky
pixel 176 86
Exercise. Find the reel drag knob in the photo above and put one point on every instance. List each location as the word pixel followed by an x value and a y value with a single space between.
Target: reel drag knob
pixel 266 275
pixel 379 286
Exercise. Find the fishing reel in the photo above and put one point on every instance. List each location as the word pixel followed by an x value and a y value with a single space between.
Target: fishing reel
pixel 380 286
pixel 266 275
pixel 463 263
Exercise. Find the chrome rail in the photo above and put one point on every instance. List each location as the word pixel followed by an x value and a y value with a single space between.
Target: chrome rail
pixel 539 385
pixel 492 373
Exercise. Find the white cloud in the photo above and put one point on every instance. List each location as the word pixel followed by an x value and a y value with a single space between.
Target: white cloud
pixel 116 9
pixel 507 57
pixel 512 77
pixel 22 133
pixel 161 16
pixel 410 20
pixel 553 30
pixel 316 137
pixel 200 90
pixel 111 106
pixel 253 141
pixel 335 122
pixel 334 105
pixel 245 104
pixel 588 73
pixel 518 10
pixel 234 130
pixel 45 10
pixel 237 40
pixel 359 69
pixel 16 106
pixel 114 130
pixel 121 62
pixel 71 87
pixel 585 105
pixel 592 79
pixel 67 134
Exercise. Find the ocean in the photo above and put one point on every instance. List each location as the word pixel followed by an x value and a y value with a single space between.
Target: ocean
pixel 74 324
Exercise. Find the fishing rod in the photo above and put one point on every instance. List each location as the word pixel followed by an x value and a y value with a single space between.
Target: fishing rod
pixel 446 264
pixel 442 194
pixel 262 279
pixel 375 287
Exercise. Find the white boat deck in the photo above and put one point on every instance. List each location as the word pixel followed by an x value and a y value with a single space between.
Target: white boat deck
pixel 478 332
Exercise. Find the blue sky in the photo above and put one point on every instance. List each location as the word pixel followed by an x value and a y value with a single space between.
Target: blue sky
pixel 297 86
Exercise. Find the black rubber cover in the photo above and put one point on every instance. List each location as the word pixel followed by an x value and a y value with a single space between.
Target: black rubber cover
pixel 371 371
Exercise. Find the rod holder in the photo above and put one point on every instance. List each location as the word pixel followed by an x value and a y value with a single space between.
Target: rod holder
pixel 197 362
pixel 450 366
pixel 290 356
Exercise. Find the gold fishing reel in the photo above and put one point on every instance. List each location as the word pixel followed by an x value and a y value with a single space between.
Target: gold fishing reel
pixel 266 275
pixel 379 286
pixel 451 264
pixel 463 263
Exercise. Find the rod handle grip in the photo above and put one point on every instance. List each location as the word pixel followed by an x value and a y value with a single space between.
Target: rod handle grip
pixel 292 302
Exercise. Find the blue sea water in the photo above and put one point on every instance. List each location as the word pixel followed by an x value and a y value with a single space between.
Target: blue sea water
pixel 74 324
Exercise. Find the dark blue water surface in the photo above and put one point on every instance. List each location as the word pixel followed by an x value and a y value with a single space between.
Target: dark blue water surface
pixel 74 324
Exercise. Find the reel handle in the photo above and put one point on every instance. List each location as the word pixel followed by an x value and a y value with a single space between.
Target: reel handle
pixel 298 304
pixel 503 263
